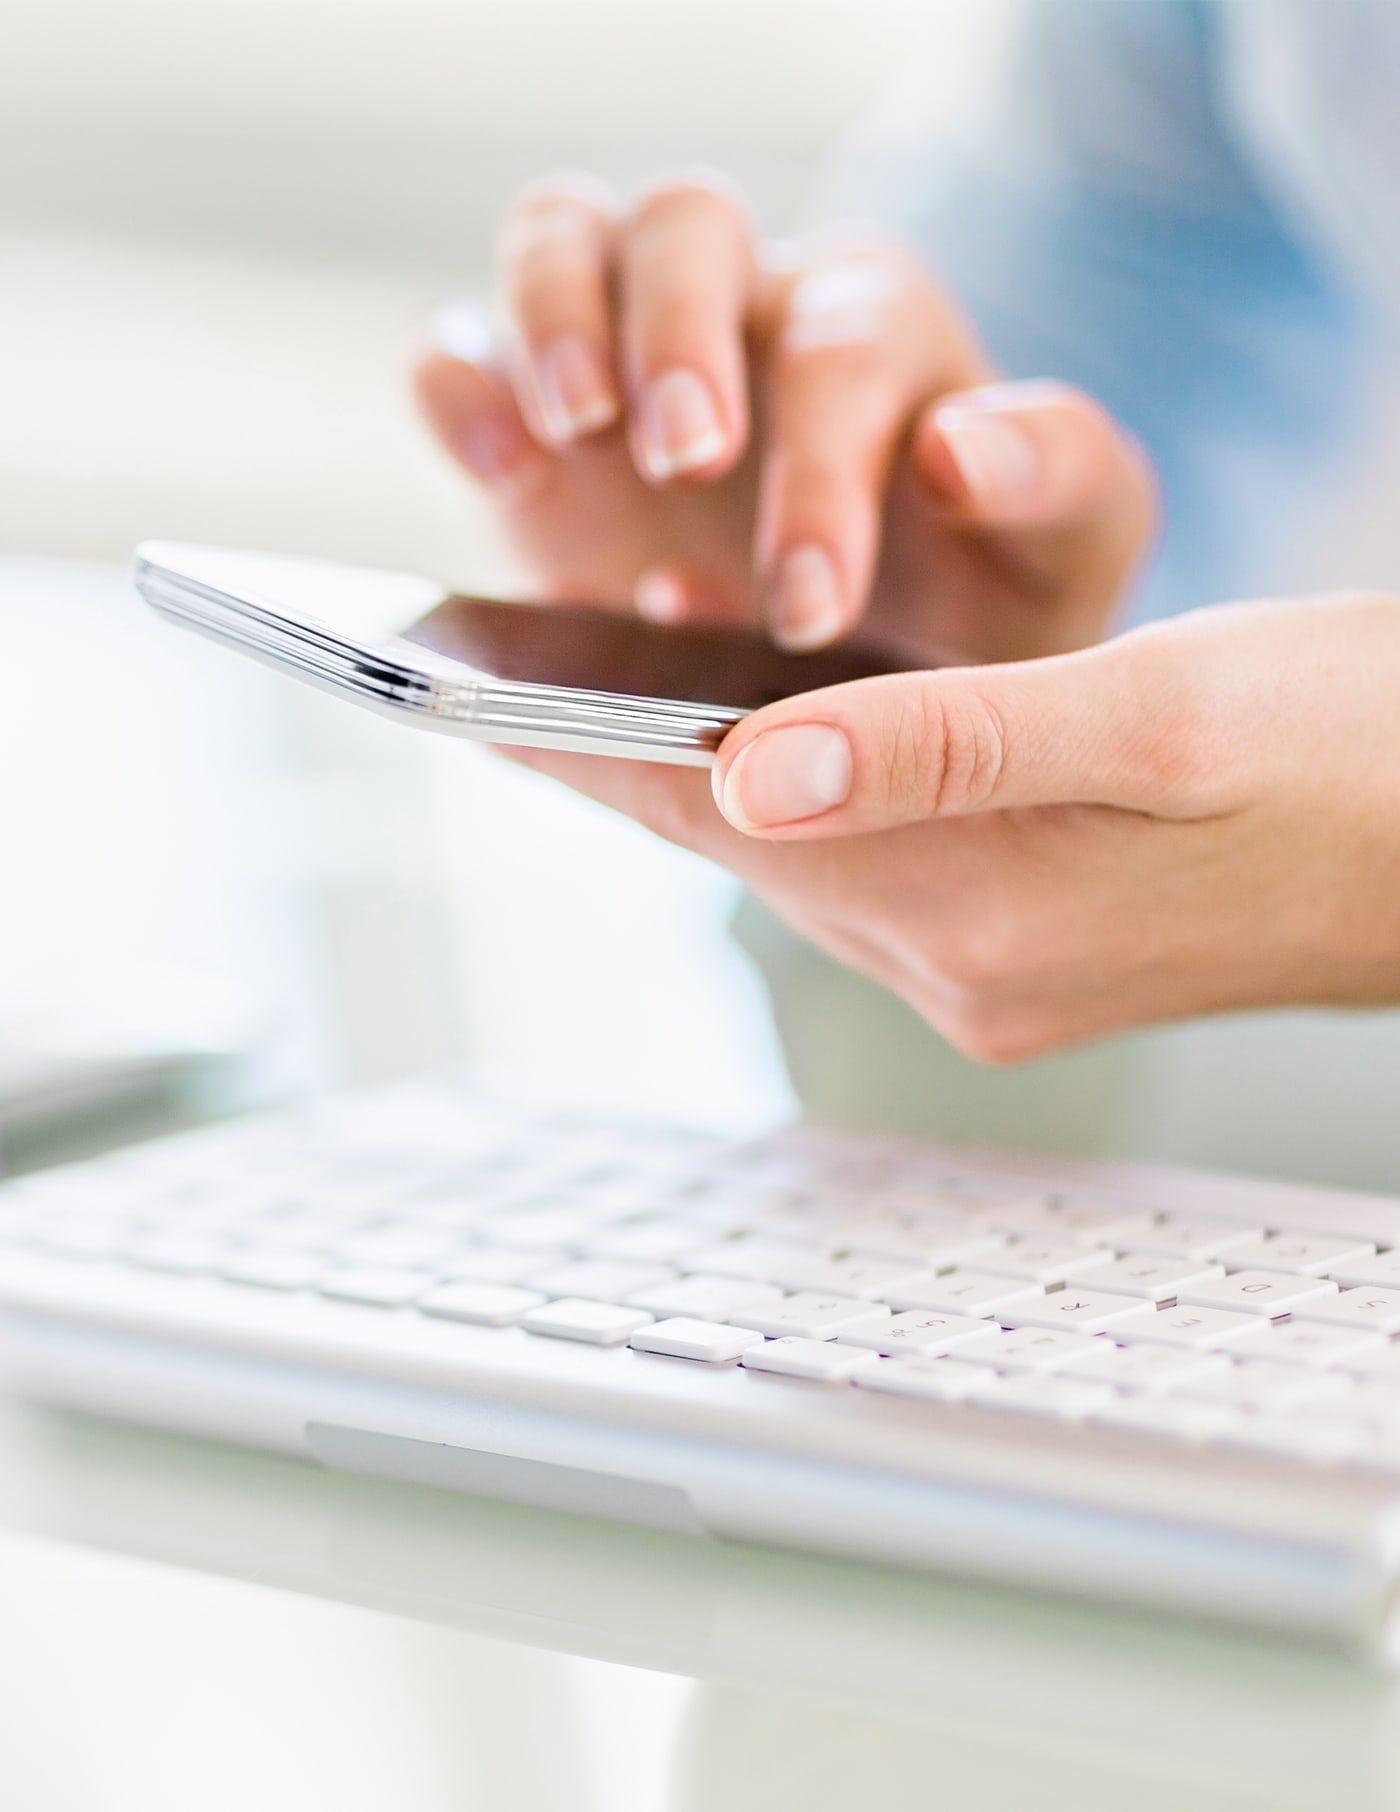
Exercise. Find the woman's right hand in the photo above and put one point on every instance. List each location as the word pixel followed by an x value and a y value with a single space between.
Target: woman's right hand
pixel 713 429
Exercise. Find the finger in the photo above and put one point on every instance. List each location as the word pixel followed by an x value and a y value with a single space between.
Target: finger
pixel 469 403
pixel 1116 725
pixel 1045 467
pixel 864 338
pixel 552 256
pixel 685 594
pixel 685 271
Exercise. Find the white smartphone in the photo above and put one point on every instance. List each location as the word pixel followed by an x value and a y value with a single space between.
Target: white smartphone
pixel 584 678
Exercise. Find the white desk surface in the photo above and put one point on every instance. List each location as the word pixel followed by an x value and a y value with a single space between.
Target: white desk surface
pixel 187 1626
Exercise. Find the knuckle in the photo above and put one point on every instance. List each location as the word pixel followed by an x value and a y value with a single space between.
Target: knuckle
pixel 575 190
pixel 943 756
pixel 1173 755
pixel 993 1035
pixel 862 365
pixel 571 204
pixel 698 189
pixel 984 952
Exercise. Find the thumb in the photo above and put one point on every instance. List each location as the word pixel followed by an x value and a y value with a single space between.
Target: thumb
pixel 1101 726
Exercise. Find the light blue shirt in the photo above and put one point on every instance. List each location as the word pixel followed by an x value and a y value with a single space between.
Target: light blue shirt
pixel 1192 209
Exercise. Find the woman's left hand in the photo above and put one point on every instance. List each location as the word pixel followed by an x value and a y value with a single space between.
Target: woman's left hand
pixel 1196 817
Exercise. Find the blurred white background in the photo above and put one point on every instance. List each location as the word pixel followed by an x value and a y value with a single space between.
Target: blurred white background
pixel 221 225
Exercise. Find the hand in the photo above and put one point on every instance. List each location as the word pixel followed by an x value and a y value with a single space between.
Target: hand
pixel 1196 817
pixel 681 419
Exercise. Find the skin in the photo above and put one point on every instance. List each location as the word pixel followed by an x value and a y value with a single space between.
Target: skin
pixel 1194 818
pixel 857 425
pixel 1225 836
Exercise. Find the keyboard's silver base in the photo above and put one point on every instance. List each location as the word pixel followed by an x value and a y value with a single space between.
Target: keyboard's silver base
pixel 1230 1536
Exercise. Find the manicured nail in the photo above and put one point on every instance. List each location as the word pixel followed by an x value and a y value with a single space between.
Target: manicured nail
pixel 659 597
pixel 680 425
pixel 994 454
pixel 804 602
pixel 784 776
pixel 494 448
pixel 575 392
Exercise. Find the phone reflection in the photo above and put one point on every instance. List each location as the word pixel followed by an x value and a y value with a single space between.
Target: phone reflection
pixel 598 650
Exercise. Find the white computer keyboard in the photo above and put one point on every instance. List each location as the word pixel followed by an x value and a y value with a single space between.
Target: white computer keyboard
pixel 872 1265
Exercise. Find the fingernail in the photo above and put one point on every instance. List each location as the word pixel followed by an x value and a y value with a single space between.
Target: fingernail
pixel 784 776
pixel 659 598
pixel 680 425
pixel 575 392
pixel 493 448
pixel 996 457
pixel 804 603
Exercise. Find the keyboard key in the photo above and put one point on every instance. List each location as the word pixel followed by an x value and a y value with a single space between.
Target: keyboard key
pixel 1084 1222
pixel 705 1298
pixel 1184 1236
pixel 486 1305
pixel 1186 1326
pixel 917 1331
pixel 809 1314
pixel 413 1247
pixel 1039 1394
pixel 1302 1254
pixel 596 1323
pixel 1086 1311
pixel 681 1337
pixel 79 1236
pixel 1310 1436
pixel 601 1280
pixel 547 1229
pixel 656 1239
pixel 1378 1309
pixel 497 1264
pixel 1175 1418
pixel 1310 1342
pixel 1383 1269
pixel 380 1289
pixel 1091 1223
pixel 1374 1362
pixel 965 1292
pixel 760 1260
pixel 305 1232
pixel 271 1268
pixel 1257 1384
pixel 940 1380
pixel 1032 1349
pixel 1146 1367
pixel 1257 1293
pixel 1156 1277
pixel 186 1254
pixel 1045 1261
pixel 852 1274
pixel 918 1242
pixel 820 1360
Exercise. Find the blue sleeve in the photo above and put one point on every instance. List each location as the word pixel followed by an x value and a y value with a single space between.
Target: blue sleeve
pixel 1108 231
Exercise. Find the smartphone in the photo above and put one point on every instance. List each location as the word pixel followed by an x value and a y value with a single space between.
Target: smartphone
pixel 586 678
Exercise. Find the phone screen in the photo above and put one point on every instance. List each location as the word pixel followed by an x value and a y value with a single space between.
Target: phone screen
pixel 597 650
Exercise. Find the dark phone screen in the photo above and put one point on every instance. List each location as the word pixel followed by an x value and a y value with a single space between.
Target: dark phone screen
pixel 596 650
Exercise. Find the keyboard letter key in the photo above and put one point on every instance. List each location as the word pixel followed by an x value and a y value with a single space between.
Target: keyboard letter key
pixel 816 1359
pixel 680 1337
pixel 595 1323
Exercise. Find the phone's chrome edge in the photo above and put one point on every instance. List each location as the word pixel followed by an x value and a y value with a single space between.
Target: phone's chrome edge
pixel 491 710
